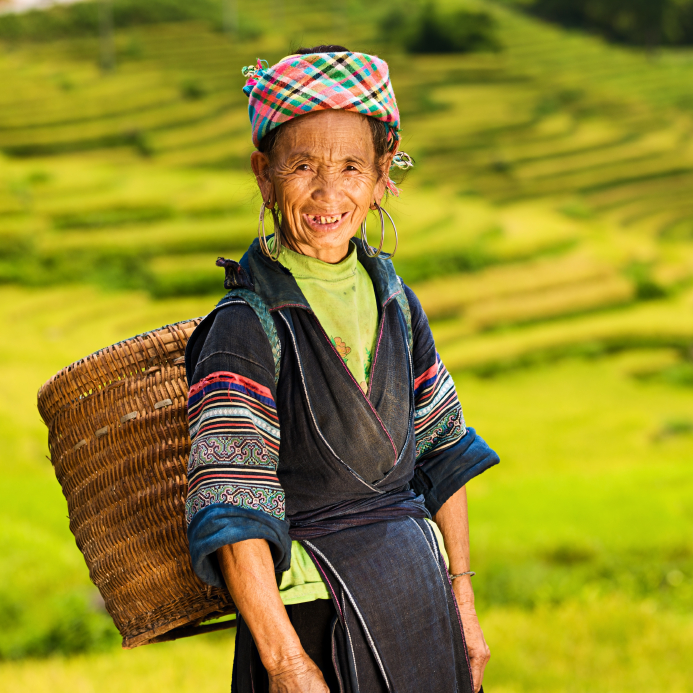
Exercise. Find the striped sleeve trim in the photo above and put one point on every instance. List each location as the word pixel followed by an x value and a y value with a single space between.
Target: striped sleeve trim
pixel 438 419
pixel 223 381
pixel 426 378
pixel 235 446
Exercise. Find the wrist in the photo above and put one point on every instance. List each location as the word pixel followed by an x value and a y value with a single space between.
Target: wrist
pixel 280 648
pixel 278 662
pixel 464 592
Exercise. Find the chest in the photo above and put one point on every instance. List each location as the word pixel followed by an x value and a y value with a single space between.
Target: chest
pixel 337 439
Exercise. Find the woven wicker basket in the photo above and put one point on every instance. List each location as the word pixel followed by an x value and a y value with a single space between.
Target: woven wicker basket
pixel 119 442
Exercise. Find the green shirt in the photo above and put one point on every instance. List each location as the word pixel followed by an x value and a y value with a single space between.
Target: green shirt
pixel 343 300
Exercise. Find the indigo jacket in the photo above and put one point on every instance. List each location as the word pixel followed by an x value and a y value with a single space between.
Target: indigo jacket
pixel 301 451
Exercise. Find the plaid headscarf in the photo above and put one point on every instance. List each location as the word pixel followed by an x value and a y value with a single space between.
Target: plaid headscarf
pixel 301 84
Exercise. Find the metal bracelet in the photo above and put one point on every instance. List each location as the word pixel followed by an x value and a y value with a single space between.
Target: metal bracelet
pixel 471 573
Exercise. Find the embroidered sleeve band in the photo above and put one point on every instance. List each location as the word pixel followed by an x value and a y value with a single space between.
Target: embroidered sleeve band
pixel 235 446
pixel 438 419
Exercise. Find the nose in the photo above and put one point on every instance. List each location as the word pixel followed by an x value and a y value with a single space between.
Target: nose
pixel 327 189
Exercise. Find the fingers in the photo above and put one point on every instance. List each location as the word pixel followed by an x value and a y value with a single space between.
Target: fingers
pixel 478 661
pixel 479 652
pixel 477 677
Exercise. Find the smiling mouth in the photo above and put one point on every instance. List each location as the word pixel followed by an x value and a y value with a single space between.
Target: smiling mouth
pixel 325 220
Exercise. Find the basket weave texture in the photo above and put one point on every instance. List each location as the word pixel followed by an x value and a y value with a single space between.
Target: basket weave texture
pixel 119 441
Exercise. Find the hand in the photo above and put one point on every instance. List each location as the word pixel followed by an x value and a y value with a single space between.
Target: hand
pixel 248 569
pixel 479 652
pixel 297 675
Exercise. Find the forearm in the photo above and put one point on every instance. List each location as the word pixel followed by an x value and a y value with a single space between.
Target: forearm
pixel 248 569
pixel 453 522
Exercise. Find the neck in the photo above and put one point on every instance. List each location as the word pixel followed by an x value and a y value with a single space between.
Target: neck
pixel 331 255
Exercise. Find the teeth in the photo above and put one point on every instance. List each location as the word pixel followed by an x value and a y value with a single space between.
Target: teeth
pixel 327 220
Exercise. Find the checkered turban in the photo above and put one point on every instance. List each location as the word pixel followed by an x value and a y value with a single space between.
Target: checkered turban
pixel 301 84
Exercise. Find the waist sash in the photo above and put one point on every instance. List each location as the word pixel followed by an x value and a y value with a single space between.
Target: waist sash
pixel 396 505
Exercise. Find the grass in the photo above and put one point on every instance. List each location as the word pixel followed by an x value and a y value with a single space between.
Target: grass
pixel 546 228
pixel 203 663
pixel 452 295
pixel 550 649
pixel 581 538
pixel 610 643
pixel 661 324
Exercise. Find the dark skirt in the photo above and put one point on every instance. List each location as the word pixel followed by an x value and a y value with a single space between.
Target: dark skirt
pixel 313 622
pixel 393 624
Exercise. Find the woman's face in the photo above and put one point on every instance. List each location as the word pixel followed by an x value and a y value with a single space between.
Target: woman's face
pixel 324 177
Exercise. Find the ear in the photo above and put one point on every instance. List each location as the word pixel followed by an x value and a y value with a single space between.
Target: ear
pixel 261 168
pixel 381 185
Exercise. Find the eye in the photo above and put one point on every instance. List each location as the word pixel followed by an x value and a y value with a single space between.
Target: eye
pixel 350 167
pixel 303 167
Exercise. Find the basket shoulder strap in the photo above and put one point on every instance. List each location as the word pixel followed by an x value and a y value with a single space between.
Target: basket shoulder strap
pixel 406 311
pixel 266 320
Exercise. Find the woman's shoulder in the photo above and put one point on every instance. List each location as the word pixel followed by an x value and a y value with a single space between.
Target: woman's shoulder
pixel 417 311
pixel 424 344
pixel 232 329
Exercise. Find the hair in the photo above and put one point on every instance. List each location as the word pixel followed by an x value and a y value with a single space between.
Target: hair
pixel 379 129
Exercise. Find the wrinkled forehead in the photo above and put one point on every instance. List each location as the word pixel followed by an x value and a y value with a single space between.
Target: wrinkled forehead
pixel 330 136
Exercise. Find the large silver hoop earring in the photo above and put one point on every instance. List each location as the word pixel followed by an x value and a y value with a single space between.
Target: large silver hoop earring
pixel 262 237
pixel 364 237
pixel 394 228
pixel 277 232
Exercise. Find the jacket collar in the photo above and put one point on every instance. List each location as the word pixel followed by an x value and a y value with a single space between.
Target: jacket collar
pixel 278 289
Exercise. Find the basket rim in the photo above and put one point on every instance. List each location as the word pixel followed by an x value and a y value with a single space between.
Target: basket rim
pixel 83 362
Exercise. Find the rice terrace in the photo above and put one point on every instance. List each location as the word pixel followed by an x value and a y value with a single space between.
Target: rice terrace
pixel 547 229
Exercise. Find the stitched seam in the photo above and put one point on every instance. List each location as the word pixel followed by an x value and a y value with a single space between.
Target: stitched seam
pixel 327 581
pixel 334 659
pixel 367 633
pixel 412 411
pixel 351 646
pixel 291 305
pixel 312 415
pixel 439 558
pixel 390 297
pixel 270 329
pixel 432 545
pixel 238 356
pixel 377 351
pixel 404 306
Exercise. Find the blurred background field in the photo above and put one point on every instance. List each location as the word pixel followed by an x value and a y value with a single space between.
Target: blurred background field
pixel 547 228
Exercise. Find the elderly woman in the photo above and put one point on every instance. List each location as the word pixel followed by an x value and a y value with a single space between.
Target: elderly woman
pixel 326 431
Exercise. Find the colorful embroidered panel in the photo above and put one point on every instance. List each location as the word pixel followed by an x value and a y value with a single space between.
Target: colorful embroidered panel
pixel 438 419
pixel 235 446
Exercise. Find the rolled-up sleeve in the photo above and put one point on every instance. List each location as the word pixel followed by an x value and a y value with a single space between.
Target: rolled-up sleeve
pixel 234 493
pixel 448 454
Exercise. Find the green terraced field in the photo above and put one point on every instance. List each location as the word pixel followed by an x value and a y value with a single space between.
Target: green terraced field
pixel 547 228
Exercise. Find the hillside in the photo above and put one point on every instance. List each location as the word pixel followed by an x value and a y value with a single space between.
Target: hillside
pixel 579 156
pixel 549 220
